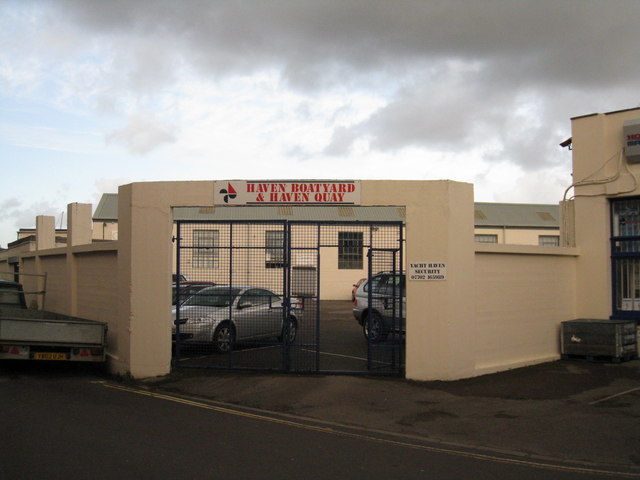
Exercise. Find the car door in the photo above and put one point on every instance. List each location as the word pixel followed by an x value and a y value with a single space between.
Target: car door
pixel 258 314
pixel 394 300
pixel 378 288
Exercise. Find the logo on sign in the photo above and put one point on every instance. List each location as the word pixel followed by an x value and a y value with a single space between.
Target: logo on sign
pixel 229 193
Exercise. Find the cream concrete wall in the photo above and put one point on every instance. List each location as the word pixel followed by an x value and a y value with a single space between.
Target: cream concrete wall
pixel 81 278
pixel 5 255
pixel 439 227
pixel 522 294
pixel 31 284
pixel 97 287
pixel 436 317
pixel 145 261
pixel 597 148
pixel 499 307
pixel 54 264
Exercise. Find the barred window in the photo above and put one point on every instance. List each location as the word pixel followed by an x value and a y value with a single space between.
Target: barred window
pixel 549 240
pixel 350 250
pixel 486 238
pixel 274 248
pixel 205 252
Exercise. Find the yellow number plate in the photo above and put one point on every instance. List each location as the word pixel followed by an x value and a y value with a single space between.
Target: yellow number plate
pixel 49 356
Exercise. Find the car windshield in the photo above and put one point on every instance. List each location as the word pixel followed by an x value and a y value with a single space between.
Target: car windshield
pixel 386 284
pixel 186 292
pixel 213 297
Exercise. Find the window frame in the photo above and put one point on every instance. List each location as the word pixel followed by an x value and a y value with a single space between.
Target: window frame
pixel 552 240
pixel 625 259
pixel 205 253
pixel 478 236
pixel 269 248
pixel 350 256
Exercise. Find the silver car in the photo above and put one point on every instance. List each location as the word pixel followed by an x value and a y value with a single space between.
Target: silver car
pixel 387 311
pixel 223 315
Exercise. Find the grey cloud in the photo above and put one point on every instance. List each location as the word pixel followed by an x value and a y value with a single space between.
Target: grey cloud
pixel 142 134
pixel 24 215
pixel 9 204
pixel 309 39
pixel 453 72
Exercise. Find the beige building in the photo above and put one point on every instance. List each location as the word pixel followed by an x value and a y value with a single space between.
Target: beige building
pixel 605 207
pixel 506 223
pixel 492 306
pixel 517 224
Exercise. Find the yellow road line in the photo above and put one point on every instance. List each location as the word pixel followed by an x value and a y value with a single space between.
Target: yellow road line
pixel 360 436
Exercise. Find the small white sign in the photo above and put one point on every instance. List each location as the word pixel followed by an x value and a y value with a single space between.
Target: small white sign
pixel 427 271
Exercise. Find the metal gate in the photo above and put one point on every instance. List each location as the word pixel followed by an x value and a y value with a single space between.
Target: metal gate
pixel 247 296
pixel 385 315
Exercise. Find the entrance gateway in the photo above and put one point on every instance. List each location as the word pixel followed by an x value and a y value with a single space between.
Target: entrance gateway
pixel 275 285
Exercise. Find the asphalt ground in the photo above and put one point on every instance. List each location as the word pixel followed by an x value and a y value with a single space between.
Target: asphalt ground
pixel 571 410
pixel 577 411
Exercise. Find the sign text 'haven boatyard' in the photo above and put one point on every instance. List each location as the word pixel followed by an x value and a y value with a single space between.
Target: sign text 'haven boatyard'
pixel 243 192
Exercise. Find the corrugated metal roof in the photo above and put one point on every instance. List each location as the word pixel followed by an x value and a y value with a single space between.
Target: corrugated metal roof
pixel 516 215
pixel 486 214
pixel 107 209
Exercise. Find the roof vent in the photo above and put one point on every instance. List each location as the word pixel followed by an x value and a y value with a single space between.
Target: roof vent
pixel 546 216
pixel 346 212
pixel 285 210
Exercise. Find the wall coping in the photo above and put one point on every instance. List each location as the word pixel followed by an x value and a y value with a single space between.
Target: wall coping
pixel 88 248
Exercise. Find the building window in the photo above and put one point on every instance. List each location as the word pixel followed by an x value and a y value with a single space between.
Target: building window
pixel 205 252
pixel 625 256
pixel 274 249
pixel 486 238
pixel 350 250
pixel 549 240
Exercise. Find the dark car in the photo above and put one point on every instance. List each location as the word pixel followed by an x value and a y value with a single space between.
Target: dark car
pixel 178 278
pixel 12 295
pixel 386 314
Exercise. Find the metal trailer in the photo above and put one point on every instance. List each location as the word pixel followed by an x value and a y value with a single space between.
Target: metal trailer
pixel 40 335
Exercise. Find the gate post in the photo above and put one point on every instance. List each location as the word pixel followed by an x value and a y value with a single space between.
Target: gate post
pixel 440 313
pixel 145 260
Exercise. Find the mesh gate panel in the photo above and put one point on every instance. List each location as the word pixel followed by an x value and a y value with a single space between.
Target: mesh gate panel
pixel 242 320
pixel 249 298
pixel 385 321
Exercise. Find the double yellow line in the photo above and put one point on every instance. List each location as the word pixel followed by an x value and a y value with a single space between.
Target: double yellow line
pixel 360 436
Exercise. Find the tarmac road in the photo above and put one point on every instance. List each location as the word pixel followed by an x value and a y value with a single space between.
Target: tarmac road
pixel 60 421
pixel 572 411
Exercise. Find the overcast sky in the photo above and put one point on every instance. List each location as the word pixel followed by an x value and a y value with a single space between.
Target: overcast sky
pixel 100 93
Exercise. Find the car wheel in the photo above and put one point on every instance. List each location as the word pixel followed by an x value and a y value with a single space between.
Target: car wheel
pixel 224 337
pixel 289 330
pixel 377 332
